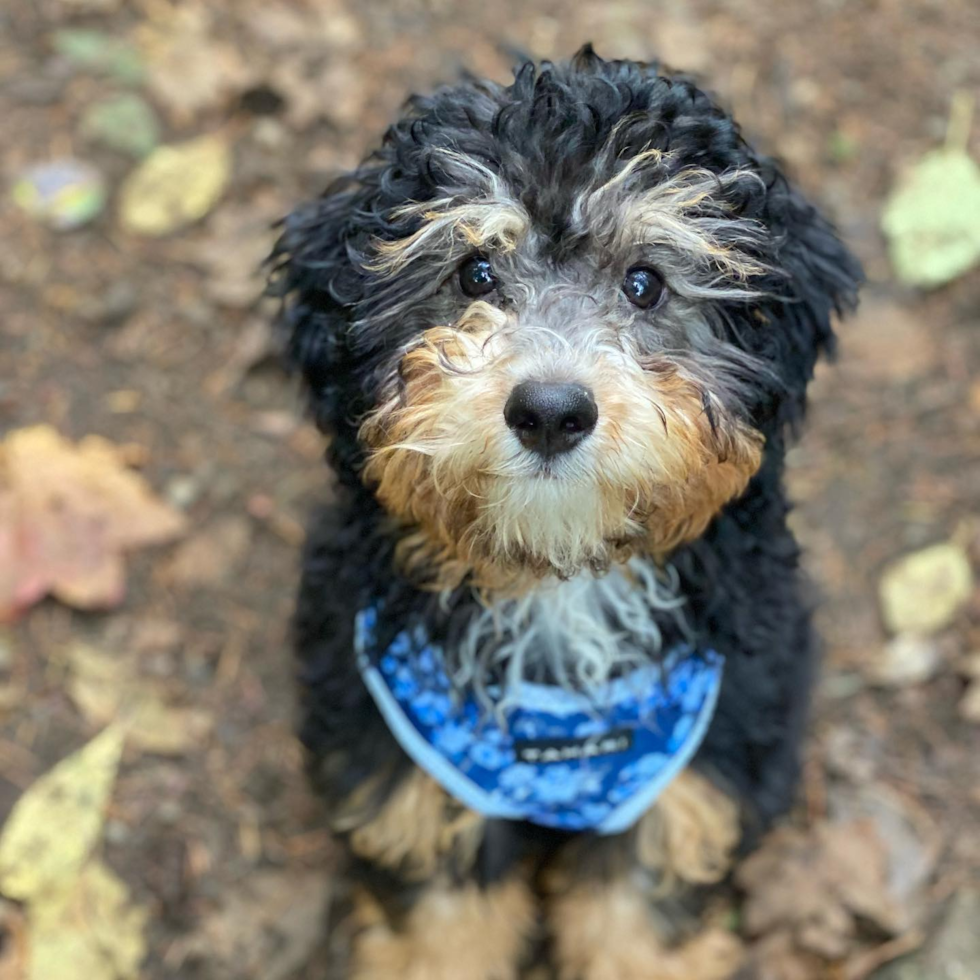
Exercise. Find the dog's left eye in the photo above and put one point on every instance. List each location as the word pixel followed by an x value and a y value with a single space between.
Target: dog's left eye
pixel 643 286
pixel 476 276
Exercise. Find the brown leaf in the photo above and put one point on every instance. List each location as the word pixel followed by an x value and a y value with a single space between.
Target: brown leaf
pixel 313 93
pixel 910 838
pixel 819 886
pixel 233 251
pixel 190 71
pixel 327 25
pixel 268 927
pixel 67 515
pixel 210 557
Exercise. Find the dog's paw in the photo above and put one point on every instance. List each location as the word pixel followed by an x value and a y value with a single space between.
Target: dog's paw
pixel 450 934
pixel 713 955
pixel 611 932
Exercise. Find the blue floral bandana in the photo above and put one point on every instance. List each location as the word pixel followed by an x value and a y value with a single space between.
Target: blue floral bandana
pixel 551 756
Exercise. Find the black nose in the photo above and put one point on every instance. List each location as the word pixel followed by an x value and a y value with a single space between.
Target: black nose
pixel 550 417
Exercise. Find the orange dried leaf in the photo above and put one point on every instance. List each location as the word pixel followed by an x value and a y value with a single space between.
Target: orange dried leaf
pixel 68 513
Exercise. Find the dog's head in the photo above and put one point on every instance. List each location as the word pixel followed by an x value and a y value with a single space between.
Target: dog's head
pixel 555 324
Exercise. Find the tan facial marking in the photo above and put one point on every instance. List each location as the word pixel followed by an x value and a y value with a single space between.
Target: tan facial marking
pixel 655 471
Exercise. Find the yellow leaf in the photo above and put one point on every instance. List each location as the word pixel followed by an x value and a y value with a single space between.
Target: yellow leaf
pixel 91 931
pixel 922 592
pixel 932 220
pixel 54 826
pixel 175 186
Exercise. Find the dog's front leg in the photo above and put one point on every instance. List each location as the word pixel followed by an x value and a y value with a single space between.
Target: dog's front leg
pixel 419 911
pixel 619 908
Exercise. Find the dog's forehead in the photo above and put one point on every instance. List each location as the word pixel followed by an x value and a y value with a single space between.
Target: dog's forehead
pixel 548 209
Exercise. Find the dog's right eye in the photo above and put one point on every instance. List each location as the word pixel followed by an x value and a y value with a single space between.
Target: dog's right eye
pixel 643 287
pixel 476 276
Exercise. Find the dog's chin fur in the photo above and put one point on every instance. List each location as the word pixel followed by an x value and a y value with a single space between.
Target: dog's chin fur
pixel 665 456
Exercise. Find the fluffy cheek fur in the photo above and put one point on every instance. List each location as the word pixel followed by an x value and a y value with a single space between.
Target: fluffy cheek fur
pixel 664 457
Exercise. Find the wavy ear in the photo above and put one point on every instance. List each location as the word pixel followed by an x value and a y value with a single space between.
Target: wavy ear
pixel 317 276
pixel 821 280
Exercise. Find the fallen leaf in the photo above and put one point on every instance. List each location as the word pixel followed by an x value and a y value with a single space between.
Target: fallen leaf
pixel 54 826
pixel 932 221
pixel 123 122
pixel 312 93
pixel 91 930
pixel 952 949
pixel 190 70
pixel 107 689
pixel 904 661
pixel 100 52
pixel 67 515
pixel 908 835
pixel 64 194
pixel 210 557
pixel 175 186
pixel 922 592
pixel 232 253
pixel 268 926
pixel 278 25
pixel 819 886
pixel 328 25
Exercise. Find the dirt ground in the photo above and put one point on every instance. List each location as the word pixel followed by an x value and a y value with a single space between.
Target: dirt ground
pixel 159 344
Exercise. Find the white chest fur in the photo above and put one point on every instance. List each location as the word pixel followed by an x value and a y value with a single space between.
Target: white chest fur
pixel 576 632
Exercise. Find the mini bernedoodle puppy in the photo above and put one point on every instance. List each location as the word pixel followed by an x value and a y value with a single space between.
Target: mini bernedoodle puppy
pixel 555 651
